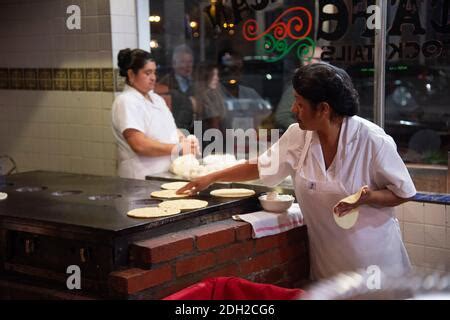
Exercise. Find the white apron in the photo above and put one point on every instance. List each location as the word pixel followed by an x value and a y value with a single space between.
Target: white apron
pixel 374 240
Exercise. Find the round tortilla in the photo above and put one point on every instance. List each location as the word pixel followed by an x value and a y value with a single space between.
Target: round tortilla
pixel 3 196
pixel 167 194
pixel 184 204
pixel 232 192
pixel 174 185
pixel 347 221
pixel 152 212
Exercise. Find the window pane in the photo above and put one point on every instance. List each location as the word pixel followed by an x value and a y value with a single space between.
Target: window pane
pixel 417 89
pixel 251 48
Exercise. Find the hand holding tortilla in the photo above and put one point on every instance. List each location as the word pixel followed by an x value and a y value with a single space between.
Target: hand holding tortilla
pixel 346 212
pixel 196 185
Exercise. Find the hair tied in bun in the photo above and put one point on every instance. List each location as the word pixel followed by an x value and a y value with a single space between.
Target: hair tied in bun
pixel 124 60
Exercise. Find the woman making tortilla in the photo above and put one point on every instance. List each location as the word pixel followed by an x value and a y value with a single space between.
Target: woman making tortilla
pixel 332 153
pixel 143 125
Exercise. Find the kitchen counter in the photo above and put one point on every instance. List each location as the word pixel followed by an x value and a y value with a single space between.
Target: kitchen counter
pixel 52 220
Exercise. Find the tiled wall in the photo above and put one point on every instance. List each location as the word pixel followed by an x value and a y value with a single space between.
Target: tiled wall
pixel 123 27
pixel 426 233
pixel 56 84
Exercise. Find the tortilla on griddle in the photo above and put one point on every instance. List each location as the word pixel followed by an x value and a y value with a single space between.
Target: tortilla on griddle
pixel 152 212
pixel 232 192
pixel 184 204
pixel 168 194
pixel 174 185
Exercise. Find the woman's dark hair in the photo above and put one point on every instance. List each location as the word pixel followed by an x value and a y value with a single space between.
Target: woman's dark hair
pixel 132 59
pixel 322 82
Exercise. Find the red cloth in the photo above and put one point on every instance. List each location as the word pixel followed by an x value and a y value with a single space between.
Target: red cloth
pixel 232 288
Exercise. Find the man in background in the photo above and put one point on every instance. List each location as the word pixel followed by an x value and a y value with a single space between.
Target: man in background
pixel 181 87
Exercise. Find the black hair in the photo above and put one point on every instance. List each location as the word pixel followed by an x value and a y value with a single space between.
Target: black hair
pixel 322 82
pixel 132 59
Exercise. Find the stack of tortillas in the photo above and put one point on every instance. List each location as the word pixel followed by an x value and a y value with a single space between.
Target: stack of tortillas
pixel 232 192
pixel 3 196
pixel 184 204
pixel 152 212
pixel 348 220
pixel 168 194
pixel 174 185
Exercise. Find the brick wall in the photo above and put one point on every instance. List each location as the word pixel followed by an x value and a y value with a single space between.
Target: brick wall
pixel 169 263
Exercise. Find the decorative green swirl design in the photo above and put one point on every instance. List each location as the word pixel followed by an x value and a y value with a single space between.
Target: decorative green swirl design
pixel 305 48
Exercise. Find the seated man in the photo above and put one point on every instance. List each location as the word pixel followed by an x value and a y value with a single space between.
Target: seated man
pixel 181 88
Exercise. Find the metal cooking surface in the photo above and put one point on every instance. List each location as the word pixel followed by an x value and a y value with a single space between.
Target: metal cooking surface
pixel 98 202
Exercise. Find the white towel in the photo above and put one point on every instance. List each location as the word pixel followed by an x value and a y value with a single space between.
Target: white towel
pixel 267 223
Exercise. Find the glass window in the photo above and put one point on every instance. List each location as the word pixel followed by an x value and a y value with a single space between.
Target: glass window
pixel 229 64
pixel 417 88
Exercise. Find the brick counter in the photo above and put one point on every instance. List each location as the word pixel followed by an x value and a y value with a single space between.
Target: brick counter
pixel 166 264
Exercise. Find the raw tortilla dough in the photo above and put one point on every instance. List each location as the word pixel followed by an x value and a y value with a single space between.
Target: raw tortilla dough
pixel 184 204
pixel 152 212
pixel 174 185
pixel 3 196
pixel 347 221
pixel 167 194
pixel 232 193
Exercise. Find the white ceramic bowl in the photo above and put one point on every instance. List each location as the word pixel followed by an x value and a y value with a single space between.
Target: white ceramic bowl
pixel 279 205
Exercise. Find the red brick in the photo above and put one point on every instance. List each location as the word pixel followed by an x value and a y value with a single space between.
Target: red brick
pixel 133 280
pixel 194 264
pixel 175 286
pixel 284 254
pixel 270 276
pixel 214 235
pixel 266 243
pixel 235 251
pixel 243 231
pixel 228 270
pixel 258 263
pixel 161 248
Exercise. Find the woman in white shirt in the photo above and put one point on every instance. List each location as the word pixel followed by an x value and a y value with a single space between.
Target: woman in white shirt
pixel 143 125
pixel 341 153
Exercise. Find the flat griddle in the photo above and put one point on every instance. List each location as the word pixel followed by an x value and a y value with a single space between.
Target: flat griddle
pixel 95 202
pixel 52 219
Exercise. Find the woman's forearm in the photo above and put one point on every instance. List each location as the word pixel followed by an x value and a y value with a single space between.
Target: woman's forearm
pixel 146 146
pixel 153 148
pixel 384 198
pixel 241 172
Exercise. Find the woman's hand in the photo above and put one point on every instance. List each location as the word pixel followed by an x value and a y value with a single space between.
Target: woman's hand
pixel 198 184
pixel 343 208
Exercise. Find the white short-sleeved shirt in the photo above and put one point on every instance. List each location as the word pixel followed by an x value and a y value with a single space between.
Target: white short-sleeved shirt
pixel 366 155
pixel 131 110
